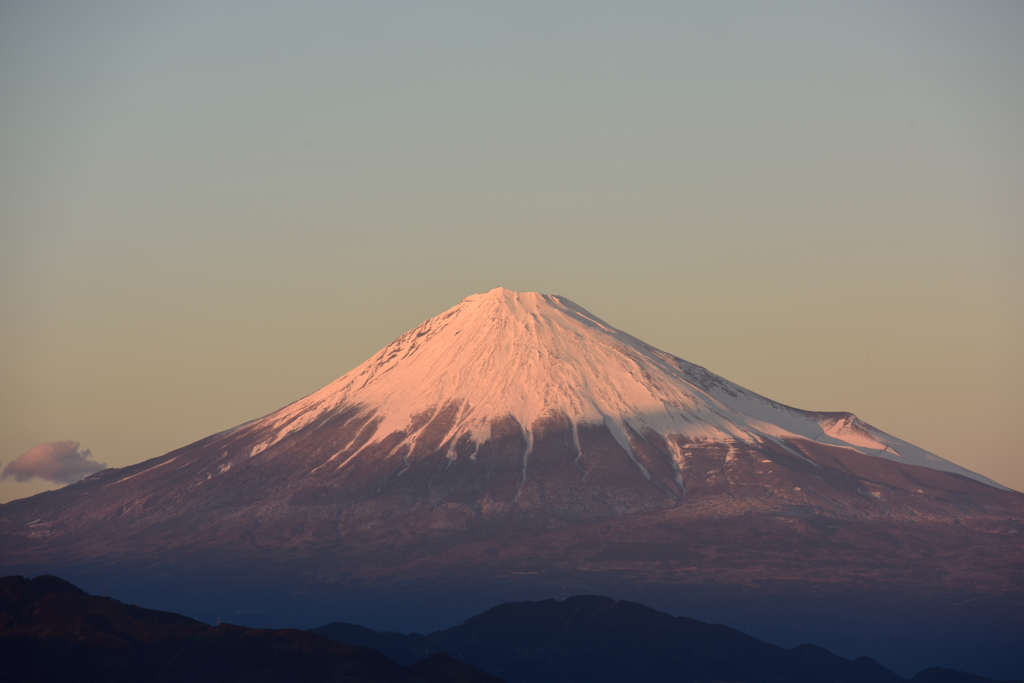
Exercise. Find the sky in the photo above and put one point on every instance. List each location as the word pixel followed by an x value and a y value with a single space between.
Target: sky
pixel 210 210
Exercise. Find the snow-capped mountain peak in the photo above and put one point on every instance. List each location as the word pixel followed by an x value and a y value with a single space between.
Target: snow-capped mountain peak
pixel 531 356
pixel 517 439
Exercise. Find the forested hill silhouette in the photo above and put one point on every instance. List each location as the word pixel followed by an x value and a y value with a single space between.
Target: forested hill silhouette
pixel 594 639
pixel 50 630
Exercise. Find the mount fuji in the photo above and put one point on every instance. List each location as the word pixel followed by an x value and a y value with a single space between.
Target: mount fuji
pixel 517 441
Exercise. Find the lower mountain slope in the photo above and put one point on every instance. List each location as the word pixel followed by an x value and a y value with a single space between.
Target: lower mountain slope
pixel 741 514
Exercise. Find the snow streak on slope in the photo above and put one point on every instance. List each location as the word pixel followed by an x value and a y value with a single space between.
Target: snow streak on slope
pixel 531 356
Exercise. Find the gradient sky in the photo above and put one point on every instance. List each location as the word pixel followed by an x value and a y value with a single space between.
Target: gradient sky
pixel 209 210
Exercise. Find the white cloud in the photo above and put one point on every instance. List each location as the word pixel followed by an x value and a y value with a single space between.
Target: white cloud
pixel 57 461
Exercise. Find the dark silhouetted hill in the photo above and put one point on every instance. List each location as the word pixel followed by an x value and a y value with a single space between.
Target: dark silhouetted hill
pixel 50 630
pixel 597 639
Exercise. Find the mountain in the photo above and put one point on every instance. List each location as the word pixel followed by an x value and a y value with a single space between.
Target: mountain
pixel 51 630
pixel 591 638
pixel 516 444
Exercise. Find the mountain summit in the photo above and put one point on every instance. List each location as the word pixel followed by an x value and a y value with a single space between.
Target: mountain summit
pixel 519 440
pixel 540 361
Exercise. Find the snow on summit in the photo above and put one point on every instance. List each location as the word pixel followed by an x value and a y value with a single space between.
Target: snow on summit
pixel 531 356
pixel 518 442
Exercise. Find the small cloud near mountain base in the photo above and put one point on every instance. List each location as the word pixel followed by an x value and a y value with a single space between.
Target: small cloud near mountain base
pixel 57 461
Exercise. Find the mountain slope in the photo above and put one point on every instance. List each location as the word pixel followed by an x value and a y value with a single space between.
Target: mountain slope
pixel 517 442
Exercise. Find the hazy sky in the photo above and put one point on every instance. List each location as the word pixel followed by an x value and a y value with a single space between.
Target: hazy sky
pixel 209 210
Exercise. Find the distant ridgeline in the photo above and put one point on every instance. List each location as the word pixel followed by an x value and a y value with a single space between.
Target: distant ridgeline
pixel 50 630
pixel 589 638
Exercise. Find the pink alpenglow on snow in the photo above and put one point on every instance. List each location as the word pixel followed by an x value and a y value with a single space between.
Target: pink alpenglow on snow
pixel 533 356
